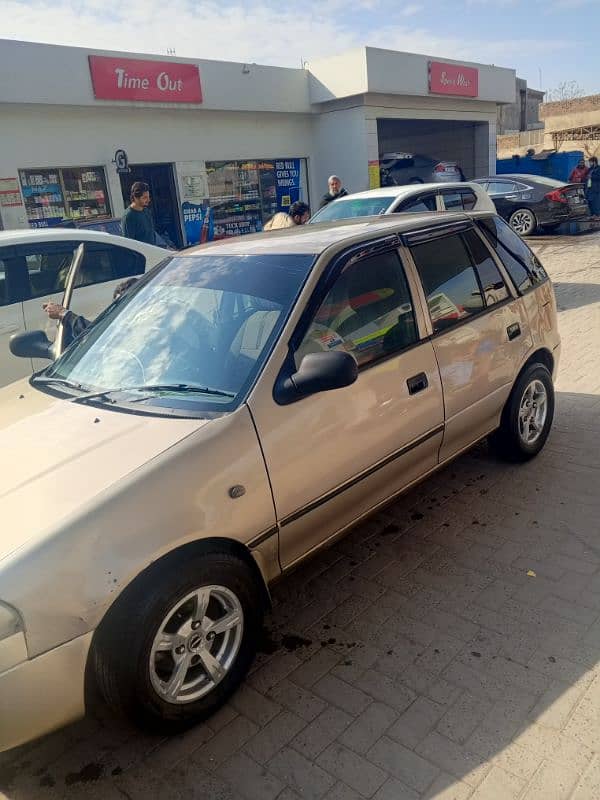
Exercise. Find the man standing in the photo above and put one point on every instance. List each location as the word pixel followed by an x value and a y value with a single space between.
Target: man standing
pixel 137 222
pixel 335 190
pixel 593 195
pixel 579 173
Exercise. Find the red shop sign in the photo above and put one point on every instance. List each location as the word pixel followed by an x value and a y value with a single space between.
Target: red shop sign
pixel 152 81
pixel 453 79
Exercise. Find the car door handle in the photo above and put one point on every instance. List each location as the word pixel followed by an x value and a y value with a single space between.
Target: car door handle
pixel 417 383
pixel 511 196
pixel 513 331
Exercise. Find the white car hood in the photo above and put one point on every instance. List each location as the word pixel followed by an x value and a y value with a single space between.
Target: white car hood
pixel 56 456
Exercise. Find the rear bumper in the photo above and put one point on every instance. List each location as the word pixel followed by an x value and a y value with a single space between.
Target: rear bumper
pixel 43 694
pixel 554 216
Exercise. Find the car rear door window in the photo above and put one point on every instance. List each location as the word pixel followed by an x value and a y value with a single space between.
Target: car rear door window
pixel 110 262
pixel 521 263
pixel 490 279
pixel 449 281
pixel 500 187
pixel 459 200
pixel 425 202
pixel 368 312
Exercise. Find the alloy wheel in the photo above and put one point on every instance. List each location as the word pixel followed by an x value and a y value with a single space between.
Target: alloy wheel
pixel 533 411
pixel 522 222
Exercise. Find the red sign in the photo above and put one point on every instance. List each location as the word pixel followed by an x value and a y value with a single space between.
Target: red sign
pixel 453 79
pixel 152 81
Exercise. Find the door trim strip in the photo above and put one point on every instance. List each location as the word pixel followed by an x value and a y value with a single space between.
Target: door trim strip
pixel 366 474
pixel 262 537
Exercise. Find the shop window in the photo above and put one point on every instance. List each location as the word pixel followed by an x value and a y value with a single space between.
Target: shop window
pixel 56 195
pixel 521 263
pixel 491 281
pixel 449 281
pixel 368 312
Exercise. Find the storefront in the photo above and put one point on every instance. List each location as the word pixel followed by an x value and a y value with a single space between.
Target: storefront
pixel 223 146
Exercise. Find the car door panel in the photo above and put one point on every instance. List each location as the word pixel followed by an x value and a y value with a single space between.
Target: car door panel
pixel 333 456
pixel 13 286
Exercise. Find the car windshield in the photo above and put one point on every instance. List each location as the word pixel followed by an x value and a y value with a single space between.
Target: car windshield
pixel 354 207
pixel 190 336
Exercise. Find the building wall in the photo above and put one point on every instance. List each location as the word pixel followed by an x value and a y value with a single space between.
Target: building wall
pixel 340 146
pixel 510 116
pixel 33 136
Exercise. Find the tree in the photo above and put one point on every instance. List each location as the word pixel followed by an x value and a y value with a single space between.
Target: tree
pixel 567 90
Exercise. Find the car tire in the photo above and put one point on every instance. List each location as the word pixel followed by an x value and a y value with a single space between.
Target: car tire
pixel 523 221
pixel 527 416
pixel 154 663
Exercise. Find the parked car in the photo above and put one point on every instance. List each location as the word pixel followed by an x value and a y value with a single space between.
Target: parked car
pixel 239 408
pixel 33 265
pixel 393 200
pixel 529 202
pixel 396 169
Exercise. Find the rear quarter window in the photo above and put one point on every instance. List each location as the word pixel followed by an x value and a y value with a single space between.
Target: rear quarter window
pixel 521 263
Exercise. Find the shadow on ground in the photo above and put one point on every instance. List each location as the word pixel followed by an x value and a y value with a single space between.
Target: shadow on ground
pixel 576 295
pixel 449 641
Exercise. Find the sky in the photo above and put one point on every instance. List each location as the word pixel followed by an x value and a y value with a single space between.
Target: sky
pixel 548 42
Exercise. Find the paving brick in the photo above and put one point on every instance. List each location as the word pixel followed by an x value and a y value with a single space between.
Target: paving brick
pixel 191 780
pixel 353 769
pixel 368 728
pixel 328 726
pixel 225 743
pixel 453 758
pixel 568 610
pixel 584 725
pixel 387 690
pixel 342 695
pixel 498 785
pixel 275 670
pixel 273 736
pixel 302 775
pixel 341 792
pixel 588 787
pixel 253 705
pixel 446 787
pixel 439 653
pixel 297 699
pixel 459 721
pixel 315 668
pixel 555 781
pixel 405 765
pixel 250 779
pixel 395 790
pixel 416 722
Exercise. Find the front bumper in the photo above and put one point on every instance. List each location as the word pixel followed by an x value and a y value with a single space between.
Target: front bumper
pixel 43 694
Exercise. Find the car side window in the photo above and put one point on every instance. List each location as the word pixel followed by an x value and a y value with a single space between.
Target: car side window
pixel 500 187
pixel 47 266
pixel 368 312
pixel 449 281
pixel 110 262
pixel 521 263
pixel 491 281
pixel 426 202
pixel 459 200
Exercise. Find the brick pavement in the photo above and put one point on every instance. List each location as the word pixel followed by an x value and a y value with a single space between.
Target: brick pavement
pixel 416 659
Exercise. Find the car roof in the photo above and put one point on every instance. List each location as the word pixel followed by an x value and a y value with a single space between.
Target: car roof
pixel 315 238
pixel 407 190
pixel 32 235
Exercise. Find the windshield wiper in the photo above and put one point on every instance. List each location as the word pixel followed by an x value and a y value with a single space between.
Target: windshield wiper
pixel 41 381
pixel 179 388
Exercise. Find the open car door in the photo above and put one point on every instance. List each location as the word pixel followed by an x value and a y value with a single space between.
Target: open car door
pixel 62 340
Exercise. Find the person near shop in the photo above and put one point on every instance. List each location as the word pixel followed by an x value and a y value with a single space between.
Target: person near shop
pixel 136 222
pixel 75 324
pixel 336 190
pixel 593 192
pixel 579 173
pixel 297 214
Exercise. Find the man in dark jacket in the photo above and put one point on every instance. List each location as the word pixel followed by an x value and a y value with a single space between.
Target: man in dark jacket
pixel 593 193
pixel 336 190
pixel 137 222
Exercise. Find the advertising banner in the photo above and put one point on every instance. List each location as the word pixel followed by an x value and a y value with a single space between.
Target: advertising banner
pixel 374 175
pixel 453 79
pixel 287 177
pixel 198 223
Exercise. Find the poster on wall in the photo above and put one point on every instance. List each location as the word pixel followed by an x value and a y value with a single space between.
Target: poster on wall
pixel 198 222
pixel 374 175
pixel 10 196
pixel 287 175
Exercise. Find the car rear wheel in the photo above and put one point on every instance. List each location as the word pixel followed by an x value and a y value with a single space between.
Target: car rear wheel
pixel 527 416
pixel 179 642
pixel 523 222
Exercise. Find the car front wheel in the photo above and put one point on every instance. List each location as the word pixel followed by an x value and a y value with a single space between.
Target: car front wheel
pixel 527 416
pixel 180 641
pixel 523 222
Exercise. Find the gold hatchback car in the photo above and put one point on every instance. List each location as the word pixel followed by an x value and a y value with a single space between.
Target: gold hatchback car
pixel 239 408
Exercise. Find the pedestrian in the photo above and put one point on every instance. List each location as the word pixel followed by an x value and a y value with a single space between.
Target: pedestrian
pixel 75 324
pixel 593 193
pixel 336 190
pixel 297 214
pixel 579 173
pixel 137 222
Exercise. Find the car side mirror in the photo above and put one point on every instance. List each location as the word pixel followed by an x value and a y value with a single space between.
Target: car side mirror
pixel 31 344
pixel 318 372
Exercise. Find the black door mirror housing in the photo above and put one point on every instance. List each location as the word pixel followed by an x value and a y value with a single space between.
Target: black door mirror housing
pixel 31 344
pixel 318 372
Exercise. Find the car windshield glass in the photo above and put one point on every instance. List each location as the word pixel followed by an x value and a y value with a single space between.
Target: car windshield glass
pixel 193 335
pixel 354 207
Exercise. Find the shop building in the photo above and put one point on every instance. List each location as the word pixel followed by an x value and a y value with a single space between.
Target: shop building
pixel 224 145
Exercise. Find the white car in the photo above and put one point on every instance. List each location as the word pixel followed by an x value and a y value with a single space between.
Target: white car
pixel 415 197
pixel 33 267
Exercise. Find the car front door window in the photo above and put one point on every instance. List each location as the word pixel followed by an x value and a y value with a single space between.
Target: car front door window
pixel 425 202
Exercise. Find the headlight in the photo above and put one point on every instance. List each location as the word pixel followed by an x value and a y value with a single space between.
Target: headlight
pixel 10 622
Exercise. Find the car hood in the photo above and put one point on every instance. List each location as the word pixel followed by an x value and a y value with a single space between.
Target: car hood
pixel 56 456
